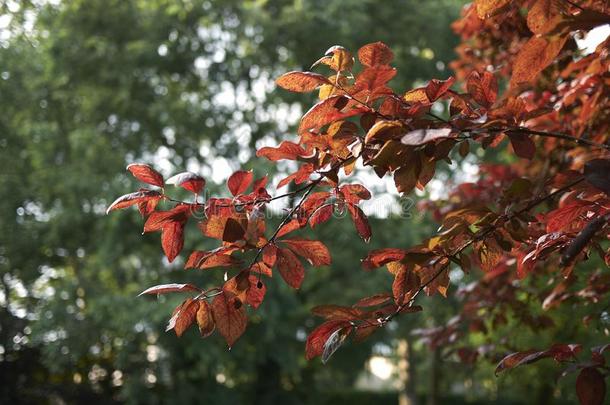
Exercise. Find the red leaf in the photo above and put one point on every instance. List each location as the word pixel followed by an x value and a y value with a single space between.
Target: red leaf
pixel 337 312
pixel 522 144
pixel 314 251
pixel 533 57
pixel 354 193
pixel 256 292
pixel 372 82
pixel 167 288
pixel 188 181
pixel 130 199
pixel 590 387
pixel 374 300
pixel 233 231
pixel 380 257
pixel 146 174
pixel 290 268
pixel 205 320
pixel 157 220
pixel 376 53
pixel 327 111
pixel 220 257
pixel 239 181
pixel 360 221
pixel 230 317
pixel 286 150
pixel 422 136
pixel 435 89
pixel 301 82
pixel 172 239
pixel 184 316
pixel 290 226
pixel 406 283
pixel 514 360
pixel 483 88
pixel 321 215
pixel 319 336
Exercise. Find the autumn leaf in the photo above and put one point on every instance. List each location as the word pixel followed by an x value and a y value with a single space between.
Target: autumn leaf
pixel 290 268
pixel 301 82
pixel 360 221
pixel 318 337
pixel 489 8
pixel 183 316
pixel 189 181
pixel 380 257
pixel 482 87
pixel 229 316
pixel 590 386
pixel 535 55
pixel 544 15
pixel 204 318
pixel 327 111
pixel 239 181
pixel 314 251
pixel 172 239
pixel 436 88
pixel 422 136
pixel 286 150
pixel 522 144
pixel 376 53
pixel 167 288
pixel 146 174
pixel 130 199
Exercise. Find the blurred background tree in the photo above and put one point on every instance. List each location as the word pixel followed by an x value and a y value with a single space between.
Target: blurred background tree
pixel 88 86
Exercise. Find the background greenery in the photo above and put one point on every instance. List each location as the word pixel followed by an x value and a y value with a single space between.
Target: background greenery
pixel 88 86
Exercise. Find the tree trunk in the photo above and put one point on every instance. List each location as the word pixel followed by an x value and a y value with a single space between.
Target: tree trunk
pixel 406 373
pixel 435 377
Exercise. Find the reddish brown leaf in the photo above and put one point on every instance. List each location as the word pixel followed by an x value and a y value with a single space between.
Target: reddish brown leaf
pixel 290 226
pixel 189 181
pixel 205 321
pixel 301 82
pixel 286 150
pixel 371 82
pixel 380 257
pixel 537 53
pixel 360 221
pixel 157 220
pixel 321 215
pixel 239 181
pixel 376 53
pixel 233 231
pixel 146 174
pixel 172 239
pixel 489 8
pixel 183 317
pixel 167 288
pixel 229 316
pixel 256 292
pixel 130 199
pixel 483 88
pixel 406 283
pixel 319 336
pixel 422 136
pixel 337 312
pixel 436 88
pixel 374 300
pixel 522 144
pixel 590 386
pixel 314 251
pixel 544 15
pixel 327 111
pixel 290 268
